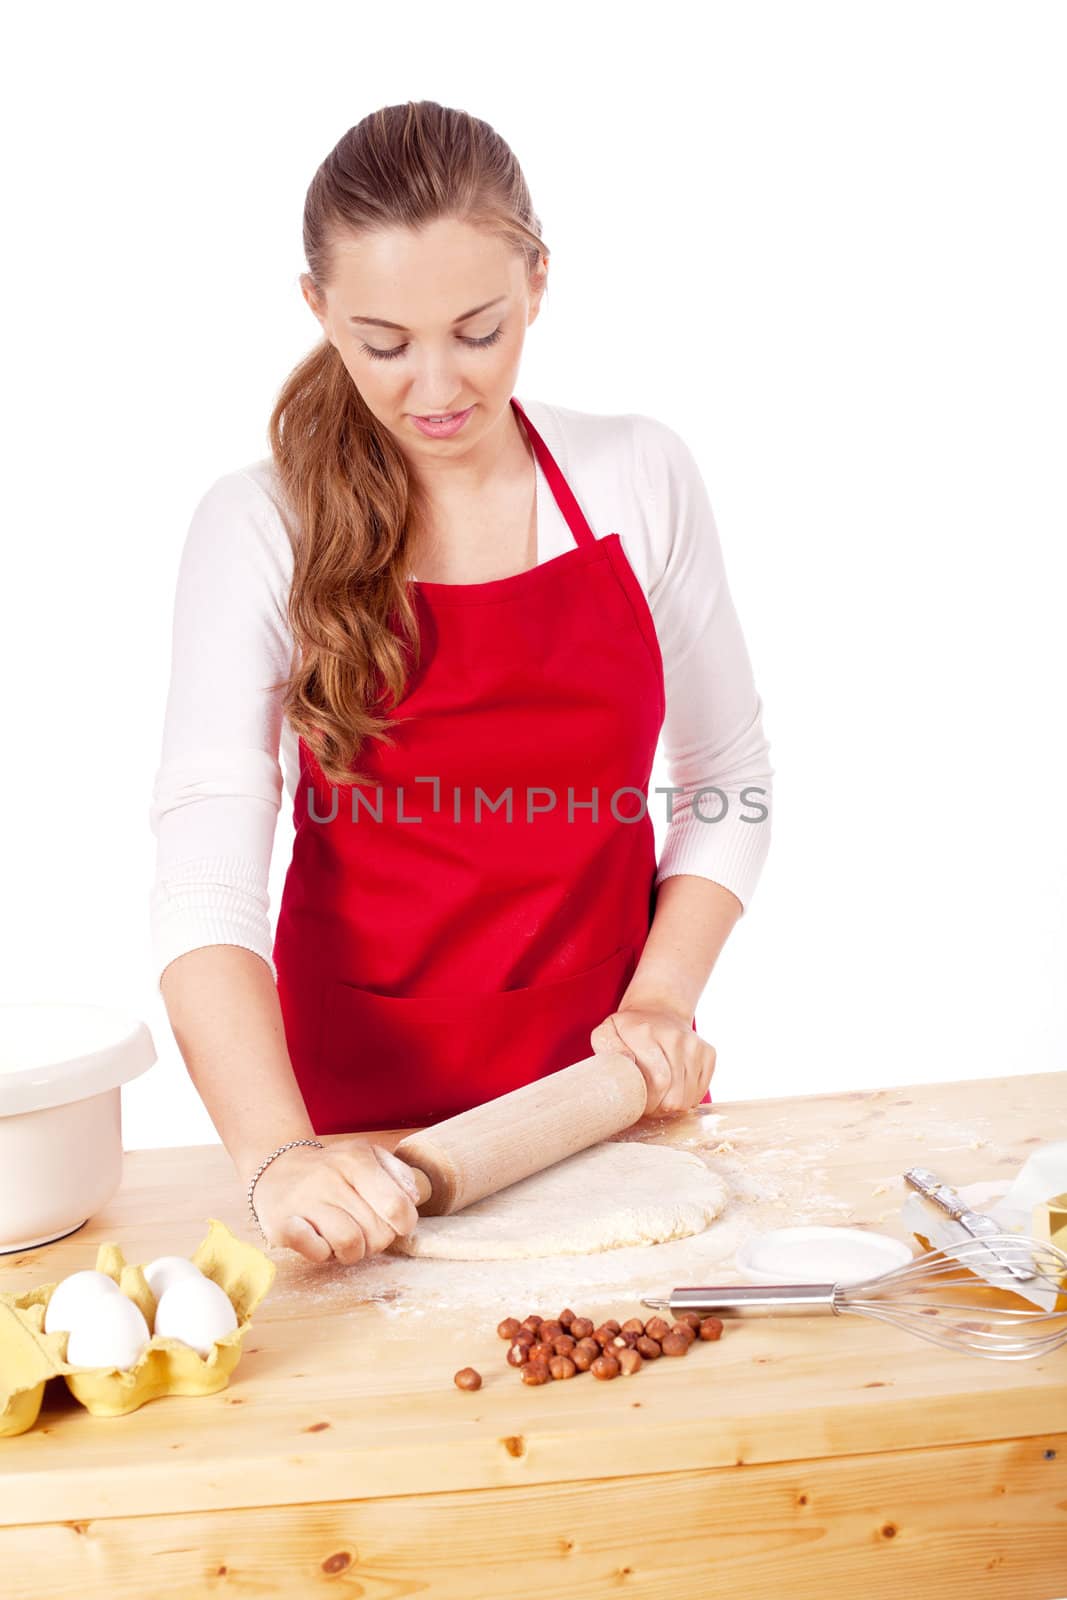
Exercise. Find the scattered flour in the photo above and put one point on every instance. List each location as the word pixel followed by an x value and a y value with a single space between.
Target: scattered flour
pixel 775 1180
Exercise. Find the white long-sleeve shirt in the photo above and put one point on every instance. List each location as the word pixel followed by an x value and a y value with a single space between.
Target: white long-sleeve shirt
pixel 218 787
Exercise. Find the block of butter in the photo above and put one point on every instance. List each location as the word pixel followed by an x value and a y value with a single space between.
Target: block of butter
pixel 1049 1220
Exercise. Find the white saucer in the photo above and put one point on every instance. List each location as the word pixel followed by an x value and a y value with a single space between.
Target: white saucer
pixel 819 1255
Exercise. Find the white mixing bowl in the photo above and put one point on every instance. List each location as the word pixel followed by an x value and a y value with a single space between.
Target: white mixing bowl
pixel 61 1071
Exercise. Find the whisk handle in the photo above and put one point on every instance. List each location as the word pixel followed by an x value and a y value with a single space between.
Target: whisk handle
pixel 766 1299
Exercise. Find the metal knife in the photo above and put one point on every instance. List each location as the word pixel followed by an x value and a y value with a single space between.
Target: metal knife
pixel 976 1223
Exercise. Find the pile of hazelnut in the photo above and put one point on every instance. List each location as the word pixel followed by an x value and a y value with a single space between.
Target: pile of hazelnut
pixel 544 1348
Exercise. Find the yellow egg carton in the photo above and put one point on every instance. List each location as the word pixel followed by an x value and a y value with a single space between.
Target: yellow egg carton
pixel 29 1357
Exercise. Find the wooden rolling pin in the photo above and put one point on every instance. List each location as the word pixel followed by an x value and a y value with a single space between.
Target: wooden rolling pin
pixel 493 1145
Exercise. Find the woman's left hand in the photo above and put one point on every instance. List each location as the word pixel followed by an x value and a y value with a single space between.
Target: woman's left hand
pixel 676 1062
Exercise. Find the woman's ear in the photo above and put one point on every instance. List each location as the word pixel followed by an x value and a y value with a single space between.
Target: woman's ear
pixel 311 295
pixel 538 284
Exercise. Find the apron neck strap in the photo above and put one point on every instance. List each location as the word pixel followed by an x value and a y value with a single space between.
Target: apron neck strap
pixel 561 489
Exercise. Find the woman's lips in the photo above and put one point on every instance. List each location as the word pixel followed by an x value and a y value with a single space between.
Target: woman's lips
pixel 442 430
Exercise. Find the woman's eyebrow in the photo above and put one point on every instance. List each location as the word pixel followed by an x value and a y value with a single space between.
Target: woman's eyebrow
pixel 380 322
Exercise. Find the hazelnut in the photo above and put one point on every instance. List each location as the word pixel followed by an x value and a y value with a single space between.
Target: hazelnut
pixel 524 1336
pixel 541 1352
pixel 635 1325
pixel 685 1330
pixel 467 1378
pixel 583 1357
pixel 609 1322
pixel 518 1355
pixel 533 1322
pixel 549 1331
pixel 564 1344
pixel 580 1328
pixel 629 1361
pixel 623 1341
pixel 655 1327
pixel 605 1367
pixel 566 1318
pixel 562 1367
pixel 535 1372
pixel 711 1328
pixel 648 1347
pixel 604 1335
pixel 692 1318
pixel 508 1328
pixel 675 1344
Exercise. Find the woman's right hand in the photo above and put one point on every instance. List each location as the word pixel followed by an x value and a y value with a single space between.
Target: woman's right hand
pixel 340 1202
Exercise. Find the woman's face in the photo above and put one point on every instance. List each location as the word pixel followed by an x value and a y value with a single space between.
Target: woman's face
pixel 438 358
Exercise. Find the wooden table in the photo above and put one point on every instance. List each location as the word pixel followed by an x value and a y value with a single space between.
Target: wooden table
pixel 799 1456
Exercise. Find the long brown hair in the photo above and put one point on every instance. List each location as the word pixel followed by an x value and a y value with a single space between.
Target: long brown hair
pixel 350 505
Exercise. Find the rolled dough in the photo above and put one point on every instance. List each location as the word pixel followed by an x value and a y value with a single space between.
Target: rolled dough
pixel 612 1195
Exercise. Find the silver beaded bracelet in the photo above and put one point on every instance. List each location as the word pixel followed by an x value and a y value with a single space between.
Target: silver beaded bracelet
pixel 263 1167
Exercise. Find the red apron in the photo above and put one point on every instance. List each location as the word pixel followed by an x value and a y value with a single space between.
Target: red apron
pixel 458 926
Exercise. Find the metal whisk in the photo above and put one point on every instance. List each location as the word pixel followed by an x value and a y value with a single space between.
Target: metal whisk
pixel 936 1296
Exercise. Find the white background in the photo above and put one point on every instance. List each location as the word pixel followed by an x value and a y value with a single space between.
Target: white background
pixel 826 243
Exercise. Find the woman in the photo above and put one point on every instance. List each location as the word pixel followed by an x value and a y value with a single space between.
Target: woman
pixel 466 654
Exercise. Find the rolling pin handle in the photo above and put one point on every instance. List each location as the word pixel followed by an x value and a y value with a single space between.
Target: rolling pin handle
pixel 422 1183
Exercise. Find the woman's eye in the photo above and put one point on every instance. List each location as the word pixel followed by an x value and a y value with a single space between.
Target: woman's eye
pixel 475 344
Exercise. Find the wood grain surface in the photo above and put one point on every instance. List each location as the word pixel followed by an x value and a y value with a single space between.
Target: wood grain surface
pixel 794 1456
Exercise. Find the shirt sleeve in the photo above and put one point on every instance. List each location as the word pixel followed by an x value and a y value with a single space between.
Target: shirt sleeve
pixel 218 786
pixel 713 737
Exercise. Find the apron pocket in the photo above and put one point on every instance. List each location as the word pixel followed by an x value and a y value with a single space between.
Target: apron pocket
pixel 392 1061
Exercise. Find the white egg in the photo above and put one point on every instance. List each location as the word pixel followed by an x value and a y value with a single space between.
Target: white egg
pixel 68 1298
pixel 195 1311
pixel 165 1270
pixel 110 1332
